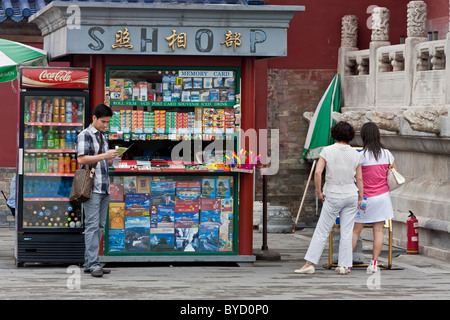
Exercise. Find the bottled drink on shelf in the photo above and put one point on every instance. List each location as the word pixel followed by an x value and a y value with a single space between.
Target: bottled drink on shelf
pixel 50 164
pixel 56 139
pixel 73 164
pixel 39 162
pixel 26 161
pixel 55 164
pixel 33 163
pixel 73 138
pixel 68 140
pixel 51 139
pixel 62 139
pixel 74 112
pixel 68 111
pixel 80 112
pixel 67 165
pixel 61 163
pixel 39 138
pixel 44 161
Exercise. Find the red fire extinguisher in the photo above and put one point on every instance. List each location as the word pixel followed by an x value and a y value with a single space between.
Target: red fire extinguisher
pixel 412 234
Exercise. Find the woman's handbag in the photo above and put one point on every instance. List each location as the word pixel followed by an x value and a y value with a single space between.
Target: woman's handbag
pixel 394 178
pixel 83 182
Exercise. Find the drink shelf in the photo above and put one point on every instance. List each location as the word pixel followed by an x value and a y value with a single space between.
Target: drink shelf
pixel 55 124
pixel 39 174
pixel 50 150
pixel 46 199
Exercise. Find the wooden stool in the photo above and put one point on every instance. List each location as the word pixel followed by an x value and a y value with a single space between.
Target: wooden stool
pixel 387 225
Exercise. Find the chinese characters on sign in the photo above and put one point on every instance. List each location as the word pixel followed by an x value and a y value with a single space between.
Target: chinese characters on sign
pixel 232 41
pixel 122 39
pixel 179 39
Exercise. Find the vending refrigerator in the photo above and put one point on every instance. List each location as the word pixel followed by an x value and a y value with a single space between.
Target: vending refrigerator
pixel 54 108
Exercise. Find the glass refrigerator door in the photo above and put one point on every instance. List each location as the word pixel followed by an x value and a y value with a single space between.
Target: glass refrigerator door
pixel 51 124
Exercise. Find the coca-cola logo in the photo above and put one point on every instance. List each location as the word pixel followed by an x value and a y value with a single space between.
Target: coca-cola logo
pixel 60 76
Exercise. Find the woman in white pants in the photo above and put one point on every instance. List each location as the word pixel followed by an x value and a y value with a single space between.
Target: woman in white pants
pixel 340 196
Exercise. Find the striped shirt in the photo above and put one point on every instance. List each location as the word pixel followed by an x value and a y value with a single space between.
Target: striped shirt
pixel 88 144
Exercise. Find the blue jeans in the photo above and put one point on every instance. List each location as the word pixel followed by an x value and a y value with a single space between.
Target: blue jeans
pixel 95 212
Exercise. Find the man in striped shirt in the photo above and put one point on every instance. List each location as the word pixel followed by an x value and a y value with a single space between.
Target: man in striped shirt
pixel 92 149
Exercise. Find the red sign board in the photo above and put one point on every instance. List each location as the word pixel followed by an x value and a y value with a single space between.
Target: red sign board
pixel 73 78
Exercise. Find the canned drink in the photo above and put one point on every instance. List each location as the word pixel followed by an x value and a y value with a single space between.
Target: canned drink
pixel 38 106
pixel 50 108
pixel 69 104
pixel 33 105
pixel 55 109
pixel 27 116
pixel 32 116
pixel 55 102
pixel 56 118
pixel 39 117
pixel 62 117
pixel 62 102
pixel 45 106
pixel 48 117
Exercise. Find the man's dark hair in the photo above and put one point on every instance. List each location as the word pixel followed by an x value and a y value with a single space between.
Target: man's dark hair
pixel 101 110
pixel 342 131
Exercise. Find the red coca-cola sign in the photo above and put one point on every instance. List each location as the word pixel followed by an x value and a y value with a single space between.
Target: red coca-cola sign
pixel 74 78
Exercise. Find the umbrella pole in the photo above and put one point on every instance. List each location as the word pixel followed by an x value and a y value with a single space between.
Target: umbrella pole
pixel 304 195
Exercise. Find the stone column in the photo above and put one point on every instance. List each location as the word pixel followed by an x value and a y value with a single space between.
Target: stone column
pixel 416 33
pixel 447 68
pixel 349 40
pixel 380 38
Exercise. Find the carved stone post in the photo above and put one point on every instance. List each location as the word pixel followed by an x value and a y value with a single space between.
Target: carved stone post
pixel 380 38
pixel 447 69
pixel 416 32
pixel 349 40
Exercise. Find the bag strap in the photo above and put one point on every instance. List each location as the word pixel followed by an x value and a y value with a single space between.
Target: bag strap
pixel 390 158
pixel 100 150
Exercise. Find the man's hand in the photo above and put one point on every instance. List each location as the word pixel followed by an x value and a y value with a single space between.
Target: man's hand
pixel 111 154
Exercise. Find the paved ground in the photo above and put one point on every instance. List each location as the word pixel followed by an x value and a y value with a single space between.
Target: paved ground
pixel 412 277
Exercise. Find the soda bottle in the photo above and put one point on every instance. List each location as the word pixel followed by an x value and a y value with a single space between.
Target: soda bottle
pixel 55 164
pixel 73 164
pixel 62 140
pixel 61 163
pixel 33 163
pixel 362 207
pixel 39 162
pixel 50 163
pixel 27 162
pixel 51 139
pixel 44 162
pixel 68 140
pixel 68 111
pixel 73 138
pixel 39 138
pixel 80 113
pixel 74 112
pixel 67 163
pixel 56 139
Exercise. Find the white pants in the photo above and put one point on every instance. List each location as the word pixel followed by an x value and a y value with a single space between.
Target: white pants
pixel 332 208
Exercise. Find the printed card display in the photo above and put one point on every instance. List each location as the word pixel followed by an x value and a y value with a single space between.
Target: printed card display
pixel 116 215
pixel 223 188
pixel 166 216
pixel 163 192
pixel 187 239
pixel 162 240
pixel 137 234
pixel 208 188
pixel 210 211
pixel 116 240
pixel 209 237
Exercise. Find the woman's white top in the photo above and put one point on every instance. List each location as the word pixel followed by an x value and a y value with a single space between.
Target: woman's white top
pixel 341 163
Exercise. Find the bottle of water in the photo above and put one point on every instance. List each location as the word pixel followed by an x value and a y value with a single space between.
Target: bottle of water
pixel 362 208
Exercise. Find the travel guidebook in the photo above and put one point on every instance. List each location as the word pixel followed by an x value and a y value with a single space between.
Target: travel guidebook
pixel 187 239
pixel 116 215
pixel 137 234
pixel 186 219
pixel 209 237
pixel 116 240
pixel 163 192
pixel 210 211
pixel 208 188
pixel 166 216
pixel 162 239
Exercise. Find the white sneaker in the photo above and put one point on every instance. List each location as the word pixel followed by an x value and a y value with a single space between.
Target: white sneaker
pixel 342 270
pixel 372 268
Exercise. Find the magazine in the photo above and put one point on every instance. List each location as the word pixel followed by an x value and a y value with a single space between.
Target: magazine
pixel 162 239
pixel 209 237
pixel 137 234
pixel 187 239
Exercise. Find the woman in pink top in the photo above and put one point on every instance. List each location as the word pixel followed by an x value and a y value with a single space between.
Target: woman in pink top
pixel 374 162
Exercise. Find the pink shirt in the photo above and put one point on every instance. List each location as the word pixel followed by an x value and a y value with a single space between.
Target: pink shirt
pixel 374 172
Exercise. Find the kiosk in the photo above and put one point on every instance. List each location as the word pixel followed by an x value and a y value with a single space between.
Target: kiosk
pixel 178 77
